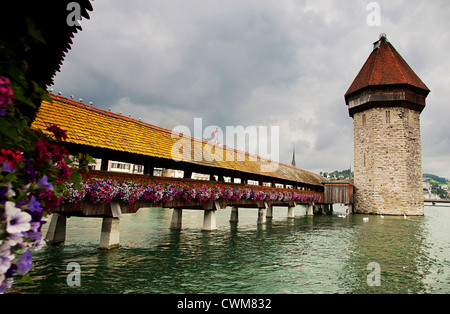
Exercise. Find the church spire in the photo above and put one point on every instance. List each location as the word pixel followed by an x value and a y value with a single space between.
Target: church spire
pixel 293 156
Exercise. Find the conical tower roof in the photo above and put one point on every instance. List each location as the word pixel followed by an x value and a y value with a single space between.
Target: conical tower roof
pixel 385 66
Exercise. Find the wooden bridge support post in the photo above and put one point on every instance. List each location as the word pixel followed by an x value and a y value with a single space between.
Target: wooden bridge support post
pixel 261 216
pixel 187 174
pixel 57 230
pixel 175 223
pixel 110 235
pixel 105 164
pixel 350 209
pixel 317 209
pixel 234 217
pixel 328 209
pixel 269 211
pixel 310 210
pixel 148 169
pixel 209 220
pixel 290 213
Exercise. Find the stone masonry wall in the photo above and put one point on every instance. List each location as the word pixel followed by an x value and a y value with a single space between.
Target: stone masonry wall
pixel 388 162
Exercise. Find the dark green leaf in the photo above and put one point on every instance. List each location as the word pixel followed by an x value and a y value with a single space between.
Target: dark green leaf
pixel 27 279
pixel 34 32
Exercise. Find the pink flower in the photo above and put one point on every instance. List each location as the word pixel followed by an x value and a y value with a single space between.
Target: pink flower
pixel 6 94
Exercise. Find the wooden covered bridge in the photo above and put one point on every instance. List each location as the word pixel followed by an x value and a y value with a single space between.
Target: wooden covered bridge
pixel 115 137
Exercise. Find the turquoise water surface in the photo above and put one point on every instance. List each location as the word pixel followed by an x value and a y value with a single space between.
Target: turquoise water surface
pixel 320 254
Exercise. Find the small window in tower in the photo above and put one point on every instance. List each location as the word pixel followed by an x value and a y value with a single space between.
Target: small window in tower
pixel 388 116
pixel 364 120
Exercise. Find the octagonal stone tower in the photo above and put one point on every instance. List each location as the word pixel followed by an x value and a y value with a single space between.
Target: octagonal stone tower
pixel 385 101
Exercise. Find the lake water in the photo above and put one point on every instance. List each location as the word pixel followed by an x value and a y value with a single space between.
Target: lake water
pixel 320 254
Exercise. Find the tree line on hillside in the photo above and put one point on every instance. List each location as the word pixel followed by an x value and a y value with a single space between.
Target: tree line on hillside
pixel 435 178
pixel 439 185
pixel 337 175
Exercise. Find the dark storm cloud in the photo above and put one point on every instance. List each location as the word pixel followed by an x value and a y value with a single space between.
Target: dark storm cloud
pixel 257 62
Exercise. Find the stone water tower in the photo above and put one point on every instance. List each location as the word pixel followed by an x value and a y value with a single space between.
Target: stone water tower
pixel 385 101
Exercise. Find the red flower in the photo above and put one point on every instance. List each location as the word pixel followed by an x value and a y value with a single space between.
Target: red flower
pixel 60 135
pixel 42 153
pixel 46 152
pixel 65 171
pixel 11 158
pixel 50 200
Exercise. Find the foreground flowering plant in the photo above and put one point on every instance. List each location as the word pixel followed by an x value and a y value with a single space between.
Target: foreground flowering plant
pixel 33 166
pixel 33 169
pixel 105 190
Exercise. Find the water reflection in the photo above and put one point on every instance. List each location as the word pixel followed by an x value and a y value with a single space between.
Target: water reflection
pixel 396 244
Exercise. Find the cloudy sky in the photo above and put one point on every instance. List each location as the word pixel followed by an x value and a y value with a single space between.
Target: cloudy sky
pixel 285 63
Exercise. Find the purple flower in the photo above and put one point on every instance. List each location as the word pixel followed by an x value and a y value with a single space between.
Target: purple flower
pixel 5 258
pixel 34 205
pixel 16 220
pixel 14 238
pixel 3 197
pixel 24 263
pixel 34 236
pixel 36 226
pixel 6 268
pixel 6 167
pixel 29 168
pixel 44 184
pixel 5 192
pixel 35 209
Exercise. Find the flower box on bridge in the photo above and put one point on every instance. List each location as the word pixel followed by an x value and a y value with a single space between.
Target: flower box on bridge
pixel 100 189
pixel 110 195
